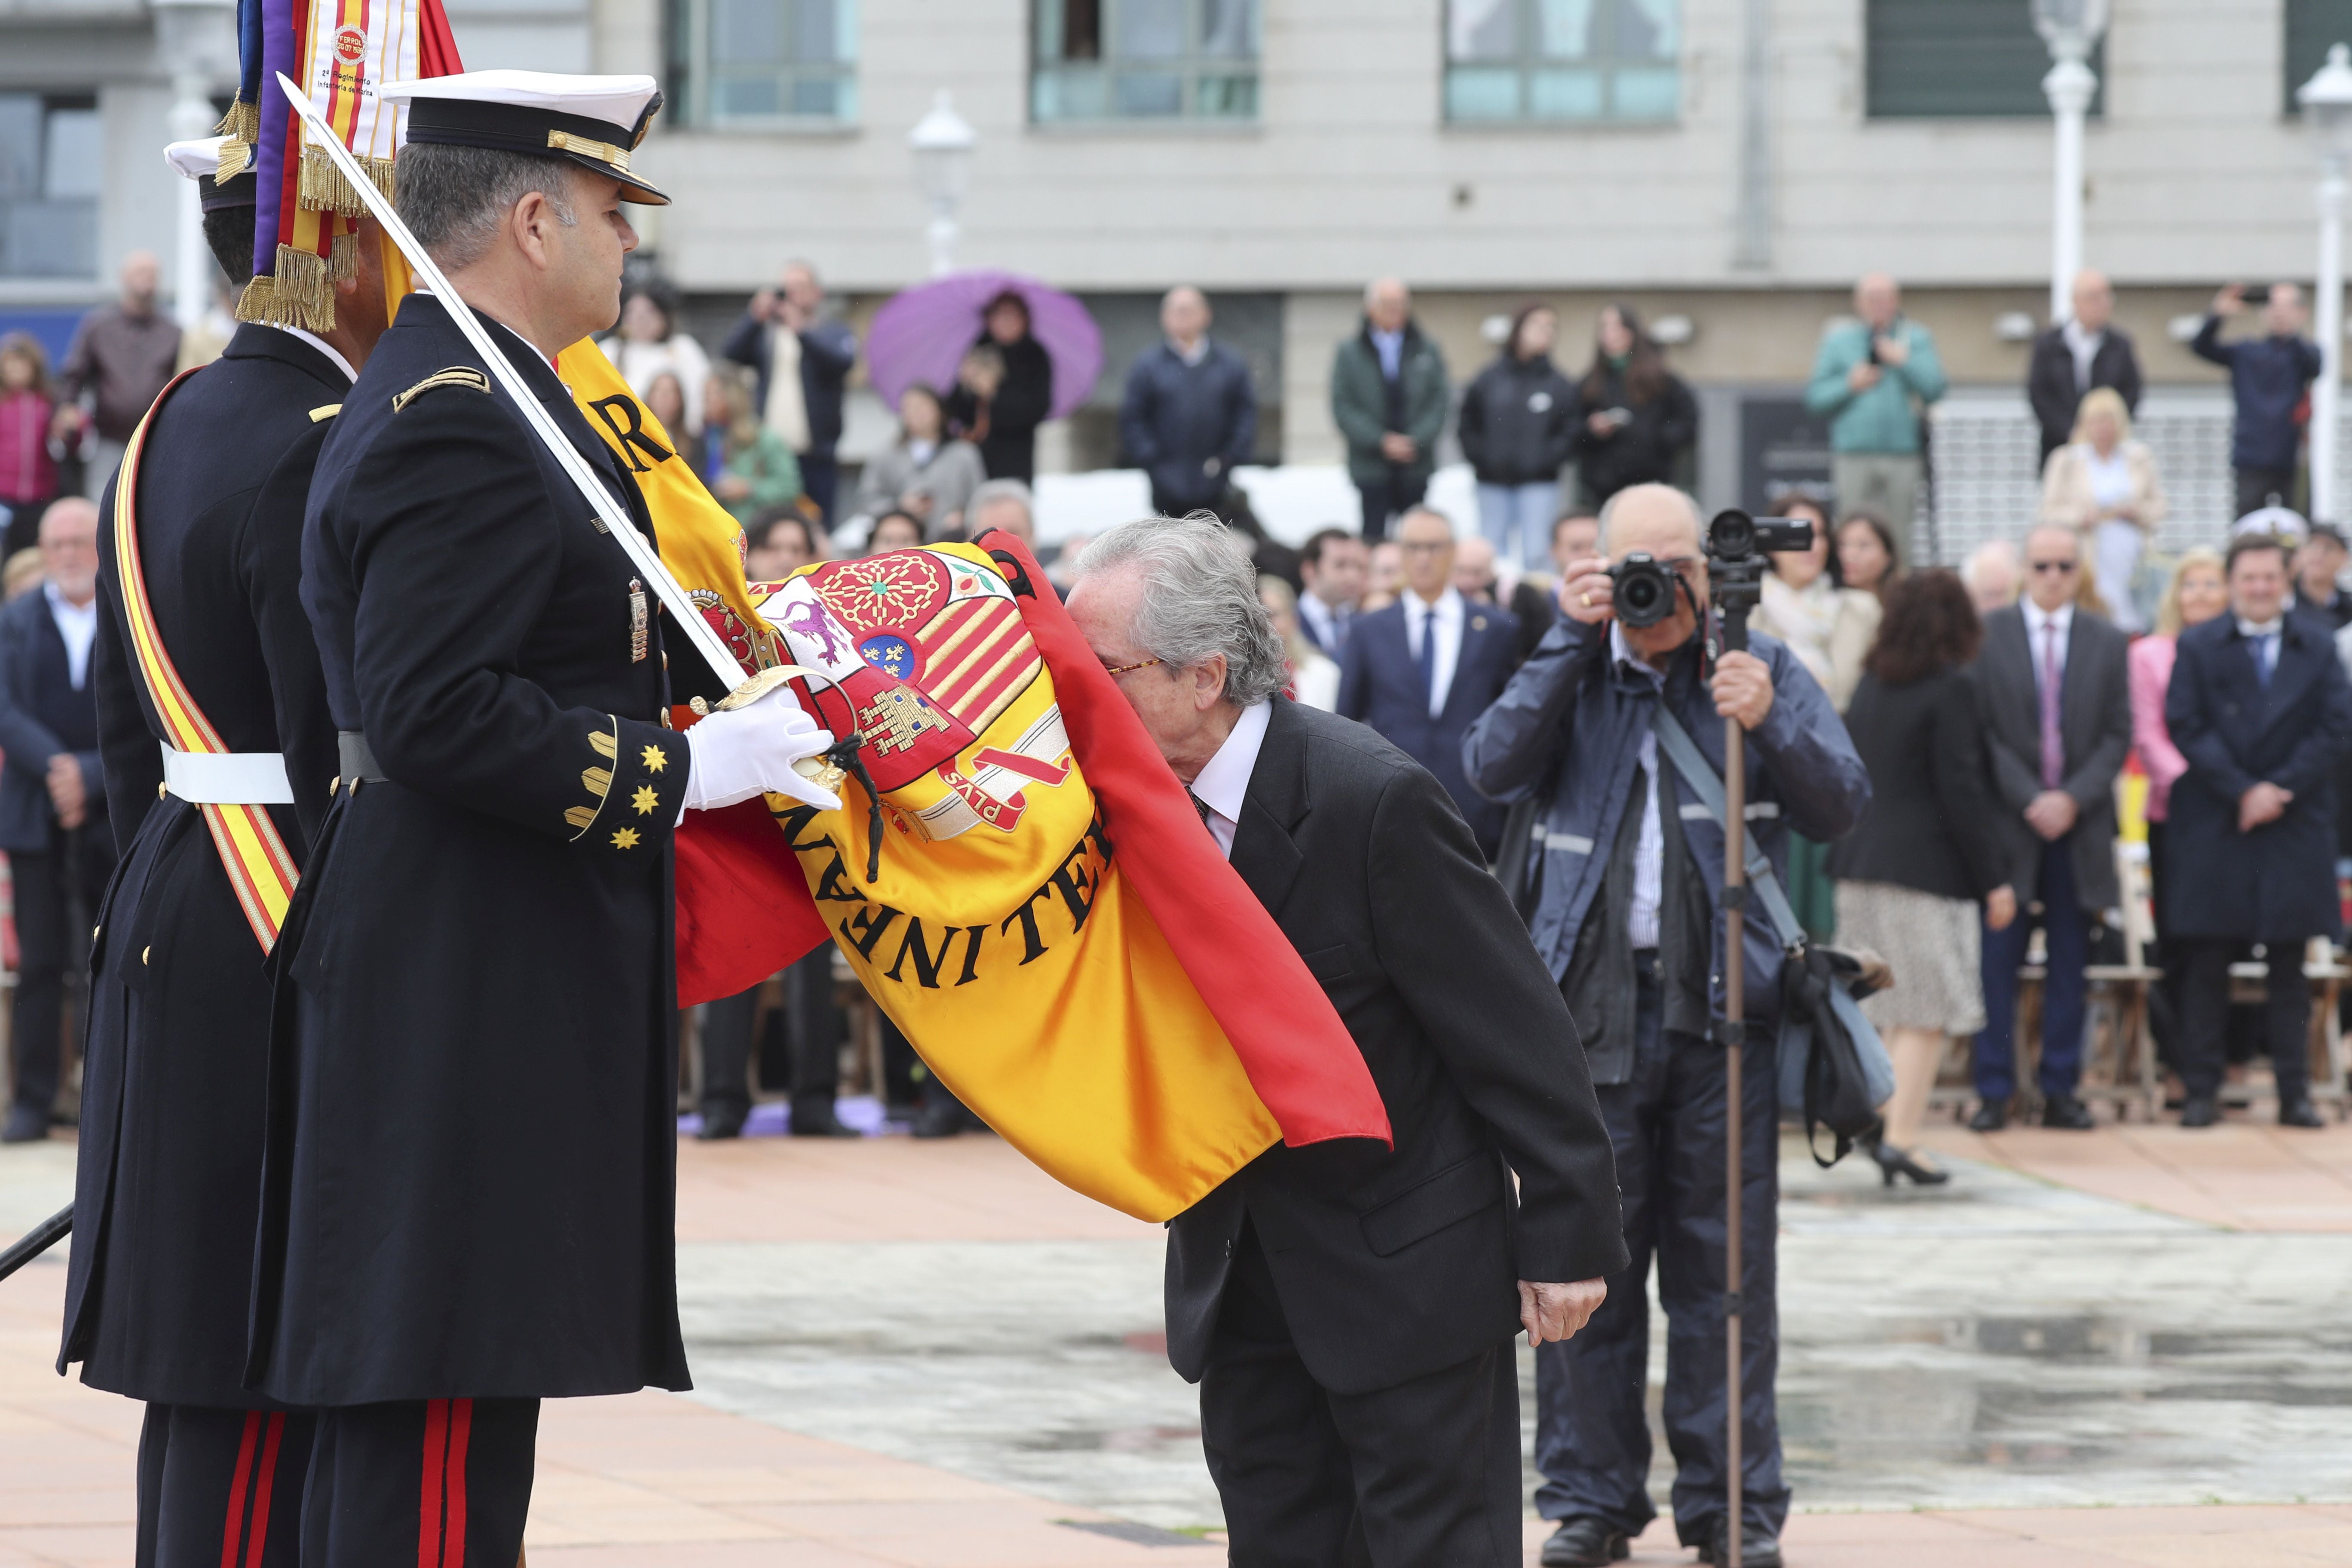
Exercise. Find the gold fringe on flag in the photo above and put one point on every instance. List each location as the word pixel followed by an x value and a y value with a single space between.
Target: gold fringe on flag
pixel 324 189
pixel 236 158
pixel 302 292
pixel 241 123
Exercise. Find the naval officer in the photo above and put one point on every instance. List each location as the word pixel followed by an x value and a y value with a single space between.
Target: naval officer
pixel 467 1198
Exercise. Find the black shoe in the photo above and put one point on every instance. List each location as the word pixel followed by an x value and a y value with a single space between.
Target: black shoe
pixel 1757 1548
pixel 2298 1111
pixel 940 1119
pixel 1584 1543
pixel 1894 1163
pixel 727 1124
pixel 818 1121
pixel 25 1125
pixel 2067 1114
pixel 2200 1111
pixel 1990 1117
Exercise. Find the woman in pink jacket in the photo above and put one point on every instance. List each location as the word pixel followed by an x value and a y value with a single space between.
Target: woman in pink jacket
pixel 2199 591
pixel 28 474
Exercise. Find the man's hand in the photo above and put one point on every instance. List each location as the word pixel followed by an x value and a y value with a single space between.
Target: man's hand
pixel 1862 377
pixel 2264 802
pixel 1892 351
pixel 1743 688
pixel 1397 446
pixel 916 504
pixel 2230 300
pixel 1584 591
pixel 1602 424
pixel 763 305
pixel 731 487
pixel 2052 814
pixel 1556 1311
pixel 67 792
pixel 2001 907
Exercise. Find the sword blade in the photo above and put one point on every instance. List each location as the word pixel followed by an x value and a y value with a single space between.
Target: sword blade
pixel 35 1241
pixel 609 512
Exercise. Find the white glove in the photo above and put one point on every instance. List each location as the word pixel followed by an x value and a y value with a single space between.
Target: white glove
pixel 738 752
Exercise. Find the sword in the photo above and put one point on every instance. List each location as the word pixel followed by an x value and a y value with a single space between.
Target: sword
pixel 35 1241
pixel 610 512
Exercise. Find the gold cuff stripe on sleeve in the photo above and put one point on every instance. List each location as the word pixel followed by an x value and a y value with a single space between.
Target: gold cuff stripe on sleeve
pixel 580 817
pixel 605 746
pixel 598 781
pixel 602 152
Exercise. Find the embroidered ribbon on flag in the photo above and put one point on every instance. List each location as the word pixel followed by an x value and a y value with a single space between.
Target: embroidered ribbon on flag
pixel 251 852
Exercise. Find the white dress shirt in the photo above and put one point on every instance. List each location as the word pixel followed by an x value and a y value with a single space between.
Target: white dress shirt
pixel 1650 848
pixel 324 347
pixel 2084 348
pixel 1224 785
pixel 1390 346
pixel 1449 612
pixel 2263 635
pixel 2038 624
pixel 77 624
pixel 1324 622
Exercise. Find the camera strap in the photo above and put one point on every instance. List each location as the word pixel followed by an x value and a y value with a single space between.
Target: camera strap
pixel 1700 774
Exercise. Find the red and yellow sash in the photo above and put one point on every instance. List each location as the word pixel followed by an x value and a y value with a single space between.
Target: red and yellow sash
pixel 251 851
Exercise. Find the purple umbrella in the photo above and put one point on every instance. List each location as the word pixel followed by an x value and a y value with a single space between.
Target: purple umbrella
pixel 920 336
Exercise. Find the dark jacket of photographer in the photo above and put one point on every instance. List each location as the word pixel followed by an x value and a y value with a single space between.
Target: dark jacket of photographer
pixel 1569 726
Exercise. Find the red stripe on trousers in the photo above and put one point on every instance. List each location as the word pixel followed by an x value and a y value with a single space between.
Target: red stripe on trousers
pixel 428 1518
pixel 258 1539
pixel 461 1427
pixel 233 1533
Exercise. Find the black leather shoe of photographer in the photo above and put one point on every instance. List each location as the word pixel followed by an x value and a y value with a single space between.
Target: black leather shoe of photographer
pixel 1584 1543
pixel 2067 1114
pixel 1990 1117
pixel 1757 1548
pixel 722 1126
pixel 2199 1110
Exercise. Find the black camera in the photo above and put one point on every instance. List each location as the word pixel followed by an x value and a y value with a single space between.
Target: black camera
pixel 1737 544
pixel 1641 589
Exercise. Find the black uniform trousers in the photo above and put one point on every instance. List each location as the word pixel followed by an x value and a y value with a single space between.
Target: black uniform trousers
pixel 2205 1013
pixel 1398 490
pixel 812 1030
pixel 221 1486
pixel 2256 487
pixel 1592 1430
pixel 55 891
pixel 420 1483
pixel 1421 1474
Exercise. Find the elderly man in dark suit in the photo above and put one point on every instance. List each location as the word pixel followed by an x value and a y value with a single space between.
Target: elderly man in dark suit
pixel 1347 1308
pixel 2057 717
pixel 1421 671
pixel 2260 706
pixel 52 799
pixel 2084 351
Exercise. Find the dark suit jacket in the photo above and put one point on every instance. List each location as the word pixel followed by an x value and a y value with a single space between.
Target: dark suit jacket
pixel 25 814
pixel 2094 722
pixel 1930 823
pixel 1392 1263
pixel 2050 382
pixel 2277 882
pixel 1380 685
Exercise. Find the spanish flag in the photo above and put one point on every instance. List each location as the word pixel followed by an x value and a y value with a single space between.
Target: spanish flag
pixel 1016 876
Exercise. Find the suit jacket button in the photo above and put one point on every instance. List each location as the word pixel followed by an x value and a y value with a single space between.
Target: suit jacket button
pixel 1229 1247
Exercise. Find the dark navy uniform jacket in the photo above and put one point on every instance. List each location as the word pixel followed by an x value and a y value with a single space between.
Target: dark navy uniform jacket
pixel 469 1189
pixel 162 1271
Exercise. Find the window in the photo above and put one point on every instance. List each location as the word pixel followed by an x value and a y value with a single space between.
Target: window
pixel 1145 59
pixel 1959 58
pixel 2311 27
pixel 1562 60
pixel 50 150
pixel 764 62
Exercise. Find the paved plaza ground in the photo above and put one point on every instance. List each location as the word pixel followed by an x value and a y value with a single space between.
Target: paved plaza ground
pixel 2125 1347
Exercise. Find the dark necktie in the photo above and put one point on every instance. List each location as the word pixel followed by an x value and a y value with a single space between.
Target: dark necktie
pixel 1429 658
pixel 2265 658
pixel 1202 808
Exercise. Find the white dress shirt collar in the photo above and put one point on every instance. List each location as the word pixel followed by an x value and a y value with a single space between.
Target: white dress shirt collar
pixel 1224 784
pixel 76 627
pixel 324 347
pixel 2268 628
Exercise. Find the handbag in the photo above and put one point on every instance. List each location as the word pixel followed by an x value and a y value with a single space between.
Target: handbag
pixel 1838 1073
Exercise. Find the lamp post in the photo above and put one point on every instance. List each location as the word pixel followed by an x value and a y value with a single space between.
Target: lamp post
pixel 942 144
pixel 199 38
pixel 2326 101
pixel 2071 28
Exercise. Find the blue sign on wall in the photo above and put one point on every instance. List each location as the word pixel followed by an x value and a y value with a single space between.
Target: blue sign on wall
pixel 53 326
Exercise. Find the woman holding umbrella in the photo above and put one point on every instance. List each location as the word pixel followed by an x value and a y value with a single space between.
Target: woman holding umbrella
pixel 998 410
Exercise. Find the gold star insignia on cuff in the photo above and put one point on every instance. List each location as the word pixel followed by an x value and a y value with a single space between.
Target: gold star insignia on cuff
pixel 625 839
pixel 644 800
pixel 655 760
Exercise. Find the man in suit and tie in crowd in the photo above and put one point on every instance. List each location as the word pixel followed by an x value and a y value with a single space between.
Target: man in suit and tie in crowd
pixel 1422 670
pixel 2260 707
pixel 2084 351
pixel 1333 565
pixel 2057 716
pixel 52 799
pixel 1347 1309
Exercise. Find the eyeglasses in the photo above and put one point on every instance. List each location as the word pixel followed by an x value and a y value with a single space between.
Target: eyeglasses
pixel 2059 566
pixel 1115 671
pixel 1424 546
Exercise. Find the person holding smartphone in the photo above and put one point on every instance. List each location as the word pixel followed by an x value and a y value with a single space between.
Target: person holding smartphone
pixel 1873 378
pixel 1635 417
pixel 2268 375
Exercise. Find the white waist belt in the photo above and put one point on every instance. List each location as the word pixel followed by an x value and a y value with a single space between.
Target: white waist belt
pixel 228 778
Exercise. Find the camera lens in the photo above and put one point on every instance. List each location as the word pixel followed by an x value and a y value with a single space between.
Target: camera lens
pixel 1643 591
pixel 1731 536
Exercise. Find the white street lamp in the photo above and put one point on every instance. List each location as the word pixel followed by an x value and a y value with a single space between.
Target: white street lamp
pixel 2326 101
pixel 942 144
pixel 199 38
pixel 2071 28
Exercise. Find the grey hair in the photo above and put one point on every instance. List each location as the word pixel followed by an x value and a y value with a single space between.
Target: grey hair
pixel 458 198
pixel 1609 511
pixel 1200 600
pixel 1001 489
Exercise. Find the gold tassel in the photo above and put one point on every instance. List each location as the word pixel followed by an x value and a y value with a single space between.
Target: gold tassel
pixel 343 256
pixel 255 303
pixel 301 294
pixel 324 189
pixel 241 123
pixel 236 158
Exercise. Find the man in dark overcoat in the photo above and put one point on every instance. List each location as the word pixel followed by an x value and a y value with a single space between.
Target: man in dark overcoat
pixel 468 1183
pixel 2260 706
pixel 158 1288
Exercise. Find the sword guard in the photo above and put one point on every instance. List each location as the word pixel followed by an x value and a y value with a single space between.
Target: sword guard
pixel 818 770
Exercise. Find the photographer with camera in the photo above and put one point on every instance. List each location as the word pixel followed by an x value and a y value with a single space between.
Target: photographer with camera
pixel 2268 376
pixel 1629 912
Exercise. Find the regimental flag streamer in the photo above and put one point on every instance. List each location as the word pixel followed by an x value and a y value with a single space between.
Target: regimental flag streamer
pixel 1046 920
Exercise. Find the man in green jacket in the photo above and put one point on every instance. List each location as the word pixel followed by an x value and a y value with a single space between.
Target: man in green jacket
pixel 1388 398
pixel 1874 378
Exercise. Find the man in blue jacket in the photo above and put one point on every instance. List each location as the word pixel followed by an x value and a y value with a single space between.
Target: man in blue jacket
pixel 787 328
pixel 1189 416
pixel 2267 378
pixel 1629 916
pixel 52 798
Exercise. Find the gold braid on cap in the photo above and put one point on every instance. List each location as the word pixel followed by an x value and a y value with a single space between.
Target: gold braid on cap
pixel 602 152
